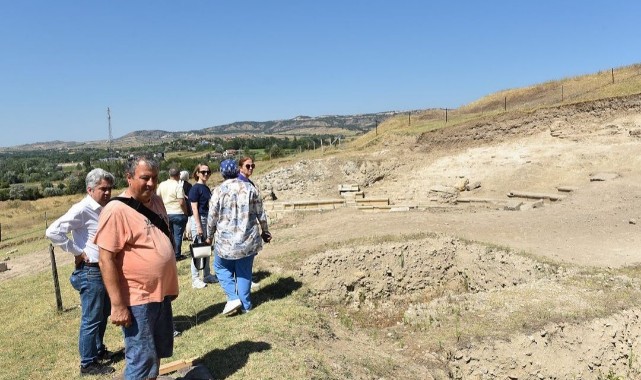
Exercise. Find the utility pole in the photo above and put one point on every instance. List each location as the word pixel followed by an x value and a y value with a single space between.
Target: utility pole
pixel 110 135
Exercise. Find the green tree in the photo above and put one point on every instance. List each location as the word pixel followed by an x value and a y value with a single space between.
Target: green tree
pixel 87 164
pixel 16 192
pixel 75 185
pixel 275 151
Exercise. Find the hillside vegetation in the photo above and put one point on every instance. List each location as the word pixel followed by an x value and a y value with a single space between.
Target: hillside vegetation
pixel 618 82
pixel 447 282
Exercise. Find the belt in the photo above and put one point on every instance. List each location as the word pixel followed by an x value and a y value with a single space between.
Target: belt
pixel 93 265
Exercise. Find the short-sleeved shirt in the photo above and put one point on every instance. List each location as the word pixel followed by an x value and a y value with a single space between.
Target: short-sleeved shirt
pixel 171 192
pixel 200 194
pixel 144 254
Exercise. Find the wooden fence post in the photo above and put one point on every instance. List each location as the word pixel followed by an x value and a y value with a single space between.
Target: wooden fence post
pixel 54 272
pixel 612 75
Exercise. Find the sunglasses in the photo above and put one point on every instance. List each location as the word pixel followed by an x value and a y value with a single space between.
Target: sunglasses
pixel 250 166
pixel 205 172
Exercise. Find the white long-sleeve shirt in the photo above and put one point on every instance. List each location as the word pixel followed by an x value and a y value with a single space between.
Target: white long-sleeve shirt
pixel 82 221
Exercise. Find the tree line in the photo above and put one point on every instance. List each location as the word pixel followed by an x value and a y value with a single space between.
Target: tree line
pixel 30 175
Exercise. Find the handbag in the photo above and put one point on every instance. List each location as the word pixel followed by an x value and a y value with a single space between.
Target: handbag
pixel 200 250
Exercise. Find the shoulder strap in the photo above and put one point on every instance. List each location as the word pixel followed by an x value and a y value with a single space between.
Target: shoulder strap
pixel 152 216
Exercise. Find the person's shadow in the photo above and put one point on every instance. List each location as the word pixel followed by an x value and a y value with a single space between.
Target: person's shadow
pixel 280 289
pixel 220 364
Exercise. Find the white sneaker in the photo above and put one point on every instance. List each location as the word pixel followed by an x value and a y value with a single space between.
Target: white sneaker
pixel 198 284
pixel 232 306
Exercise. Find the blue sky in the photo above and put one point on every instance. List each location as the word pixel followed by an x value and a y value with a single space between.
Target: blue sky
pixel 185 65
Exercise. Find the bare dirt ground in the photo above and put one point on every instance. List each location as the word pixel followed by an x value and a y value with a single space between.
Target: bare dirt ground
pixel 470 290
pixel 545 291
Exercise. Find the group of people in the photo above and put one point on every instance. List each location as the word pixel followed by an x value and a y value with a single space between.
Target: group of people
pixel 126 249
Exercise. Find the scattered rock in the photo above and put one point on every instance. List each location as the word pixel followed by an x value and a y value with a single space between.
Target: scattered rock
pixel 473 186
pixel 566 189
pixel 461 184
pixel 513 205
pixel 603 176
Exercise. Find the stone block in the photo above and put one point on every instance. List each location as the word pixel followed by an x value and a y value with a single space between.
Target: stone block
pixel 513 206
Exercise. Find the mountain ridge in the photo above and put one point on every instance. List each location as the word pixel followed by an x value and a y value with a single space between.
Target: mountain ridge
pixel 301 125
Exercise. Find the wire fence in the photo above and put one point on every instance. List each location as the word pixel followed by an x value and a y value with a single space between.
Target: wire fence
pixel 609 83
pixel 16 235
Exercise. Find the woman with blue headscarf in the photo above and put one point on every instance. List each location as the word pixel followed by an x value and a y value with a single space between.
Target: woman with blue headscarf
pixel 237 224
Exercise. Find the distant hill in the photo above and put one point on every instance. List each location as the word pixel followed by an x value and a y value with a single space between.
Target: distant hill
pixel 614 82
pixel 338 125
pixel 348 125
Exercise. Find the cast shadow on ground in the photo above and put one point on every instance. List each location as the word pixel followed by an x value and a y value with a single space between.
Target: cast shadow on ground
pixel 260 275
pixel 220 364
pixel 278 290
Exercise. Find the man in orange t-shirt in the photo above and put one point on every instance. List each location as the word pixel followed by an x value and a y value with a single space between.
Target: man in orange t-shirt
pixel 139 271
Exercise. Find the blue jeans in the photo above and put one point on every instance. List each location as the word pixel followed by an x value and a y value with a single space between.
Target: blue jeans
pixel 235 277
pixel 194 232
pixel 149 338
pixel 96 307
pixel 178 223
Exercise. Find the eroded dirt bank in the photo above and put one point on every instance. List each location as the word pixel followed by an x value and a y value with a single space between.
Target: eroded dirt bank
pixel 546 291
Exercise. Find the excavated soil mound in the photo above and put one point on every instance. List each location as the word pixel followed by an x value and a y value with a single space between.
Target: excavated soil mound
pixel 371 276
pixel 478 290
pixel 442 282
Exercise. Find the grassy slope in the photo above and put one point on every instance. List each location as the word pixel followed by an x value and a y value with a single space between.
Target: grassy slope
pixel 280 339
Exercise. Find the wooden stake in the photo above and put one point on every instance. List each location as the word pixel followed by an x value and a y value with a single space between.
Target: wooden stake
pixel 56 283
pixel 176 365
pixel 613 75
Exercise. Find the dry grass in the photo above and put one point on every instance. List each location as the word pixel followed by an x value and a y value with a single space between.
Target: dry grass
pixel 286 336
pixel 24 222
pixel 627 81
pixel 278 329
pixel 519 310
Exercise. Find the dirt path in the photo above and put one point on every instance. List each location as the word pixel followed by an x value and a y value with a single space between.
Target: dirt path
pixel 35 262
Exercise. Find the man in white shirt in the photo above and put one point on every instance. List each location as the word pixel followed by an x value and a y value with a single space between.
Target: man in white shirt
pixel 82 221
pixel 173 196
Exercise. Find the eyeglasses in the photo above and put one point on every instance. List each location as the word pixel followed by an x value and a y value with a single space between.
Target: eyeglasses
pixel 250 166
pixel 205 172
